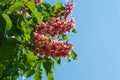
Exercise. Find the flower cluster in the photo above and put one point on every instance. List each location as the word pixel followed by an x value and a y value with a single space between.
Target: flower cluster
pixel 45 46
pixel 68 8
pixel 56 26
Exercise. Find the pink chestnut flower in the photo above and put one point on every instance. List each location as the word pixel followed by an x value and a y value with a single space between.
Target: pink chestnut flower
pixel 68 8
pixel 49 47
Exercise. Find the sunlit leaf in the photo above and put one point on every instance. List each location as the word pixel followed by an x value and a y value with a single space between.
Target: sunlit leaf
pixel 38 72
pixel 15 7
pixel 37 15
pixel 8 21
pixel 50 76
pixel 31 58
pixel 57 6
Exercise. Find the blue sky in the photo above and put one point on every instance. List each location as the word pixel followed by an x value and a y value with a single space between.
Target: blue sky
pixel 97 42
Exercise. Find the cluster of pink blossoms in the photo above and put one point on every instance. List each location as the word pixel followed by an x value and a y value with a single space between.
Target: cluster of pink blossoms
pixel 56 26
pixel 68 8
pixel 45 46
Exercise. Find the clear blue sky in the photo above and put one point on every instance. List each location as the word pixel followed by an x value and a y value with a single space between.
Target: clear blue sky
pixel 97 42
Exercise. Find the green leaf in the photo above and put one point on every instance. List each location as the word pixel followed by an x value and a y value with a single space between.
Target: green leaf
pixel 3 2
pixel 31 58
pixel 50 76
pixel 57 60
pixel 42 7
pixel 7 48
pixel 2 68
pixel 27 37
pixel 49 66
pixel 74 55
pixel 58 5
pixel 3 24
pixel 23 0
pixel 23 26
pixel 37 15
pixel 14 77
pixel 26 31
pixel 21 68
pixel 1 8
pixel 30 72
pixel 15 7
pixel 8 21
pixel 38 72
pixel 74 30
pixel 68 58
pixel 64 37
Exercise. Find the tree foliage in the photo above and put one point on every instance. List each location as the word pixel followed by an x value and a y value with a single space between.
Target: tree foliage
pixel 33 37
